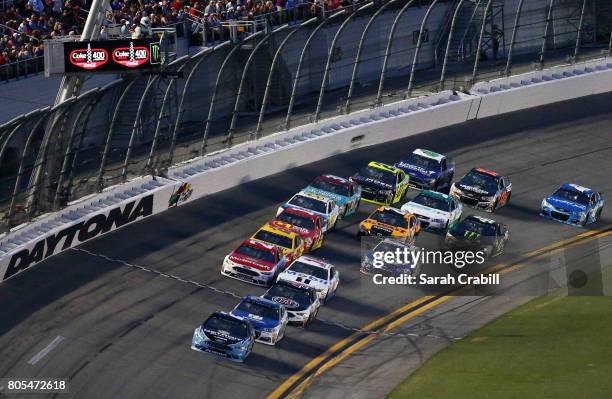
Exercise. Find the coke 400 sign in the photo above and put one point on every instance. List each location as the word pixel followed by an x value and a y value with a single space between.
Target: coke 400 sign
pixel 111 55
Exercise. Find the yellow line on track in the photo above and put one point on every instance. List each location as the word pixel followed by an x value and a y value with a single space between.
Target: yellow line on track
pixel 329 358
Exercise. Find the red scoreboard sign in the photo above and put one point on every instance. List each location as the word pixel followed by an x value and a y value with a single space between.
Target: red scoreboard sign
pixel 112 55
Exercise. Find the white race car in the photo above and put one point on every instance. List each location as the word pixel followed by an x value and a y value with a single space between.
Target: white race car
pixel 436 211
pixel 301 301
pixel 315 203
pixel 315 273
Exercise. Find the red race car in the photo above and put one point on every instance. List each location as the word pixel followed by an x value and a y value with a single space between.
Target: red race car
pixel 254 262
pixel 308 225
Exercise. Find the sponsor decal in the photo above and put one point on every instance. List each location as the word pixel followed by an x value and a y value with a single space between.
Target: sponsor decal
pixel 288 302
pixel 181 195
pixel 88 58
pixel 473 189
pixel 80 232
pixel 132 56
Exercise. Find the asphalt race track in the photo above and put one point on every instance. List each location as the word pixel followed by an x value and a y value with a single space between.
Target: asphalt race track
pixel 125 331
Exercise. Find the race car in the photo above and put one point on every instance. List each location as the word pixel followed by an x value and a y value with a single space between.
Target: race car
pixel 381 183
pixel 373 261
pixel 224 335
pixel 428 170
pixel 317 204
pixel 306 224
pixel 478 233
pixel 254 262
pixel 290 243
pixel 483 189
pixel 267 318
pixel 388 221
pixel 315 273
pixel 573 204
pixel 436 211
pixel 345 193
pixel 301 301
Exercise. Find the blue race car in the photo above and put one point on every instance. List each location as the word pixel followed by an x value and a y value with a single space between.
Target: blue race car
pixel 224 335
pixel 268 318
pixel 345 193
pixel 428 170
pixel 573 204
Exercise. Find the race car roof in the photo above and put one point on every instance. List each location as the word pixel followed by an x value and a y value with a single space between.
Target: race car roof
pixel 313 195
pixel 435 194
pixel 397 243
pixel 486 172
pixel 277 230
pixel 481 219
pixel 428 154
pixel 577 188
pixel 294 284
pixel 336 180
pixel 260 244
pixel 260 301
pixel 383 166
pixel 311 260
pixel 391 209
pixel 301 212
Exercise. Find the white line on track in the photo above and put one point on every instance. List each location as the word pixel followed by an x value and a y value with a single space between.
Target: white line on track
pixel 45 351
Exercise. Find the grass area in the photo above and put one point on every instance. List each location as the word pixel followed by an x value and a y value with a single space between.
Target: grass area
pixel 552 347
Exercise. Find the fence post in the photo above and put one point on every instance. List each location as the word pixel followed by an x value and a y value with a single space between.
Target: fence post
pixel 482 28
pixel 448 44
pixel 418 47
pixel 545 37
pixel 514 29
pixel 579 33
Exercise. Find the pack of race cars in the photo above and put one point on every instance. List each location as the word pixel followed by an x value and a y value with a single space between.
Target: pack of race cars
pixel 277 255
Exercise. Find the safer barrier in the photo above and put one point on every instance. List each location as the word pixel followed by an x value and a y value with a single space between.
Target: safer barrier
pixel 147 196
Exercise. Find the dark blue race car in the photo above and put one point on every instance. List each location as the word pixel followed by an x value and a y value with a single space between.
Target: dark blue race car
pixel 428 170
pixel 268 318
pixel 224 335
pixel 573 204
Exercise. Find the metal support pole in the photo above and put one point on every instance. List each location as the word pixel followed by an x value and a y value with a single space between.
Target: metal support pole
pixel 448 44
pixel 482 28
pixel 347 106
pixel 514 29
pixel 298 71
pixel 264 102
pixel 111 130
pixel 20 172
pixel 418 48
pixel 245 71
pixel 579 34
pixel 128 154
pixel 383 71
pixel 8 138
pixel 610 46
pixel 84 110
pixel 213 99
pixel 545 37
pixel 175 130
pixel 329 58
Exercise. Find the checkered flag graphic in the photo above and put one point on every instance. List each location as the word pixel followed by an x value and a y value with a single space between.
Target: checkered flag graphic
pixel 89 54
pixel 131 51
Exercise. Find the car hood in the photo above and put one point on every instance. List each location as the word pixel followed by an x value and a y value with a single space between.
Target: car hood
pixel 565 204
pixel 251 262
pixel 289 303
pixel 373 183
pixel 337 198
pixel 256 321
pixel 422 210
pixel 470 238
pixel 221 337
pixel 418 171
pixel 302 278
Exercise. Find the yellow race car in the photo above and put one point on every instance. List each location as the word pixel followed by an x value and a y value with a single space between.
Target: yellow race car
pixel 290 243
pixel 381 183
pixel 391 222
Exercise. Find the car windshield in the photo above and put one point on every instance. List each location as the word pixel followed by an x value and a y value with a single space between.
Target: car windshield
pixel 296 220
pixel 308 203
pixel 273 238
pixel 311 270
pixel 573 196
pixel 225 325
pixel 483 181
pixel 256 253
pixel 299 295
pixel 431 202
pixel 474 226
pixel 391 218
pixel 258 310
pixel 328 186
pixel 378 174
pixel 423 162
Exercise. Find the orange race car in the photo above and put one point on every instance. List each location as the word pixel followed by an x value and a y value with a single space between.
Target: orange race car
pixel 387 221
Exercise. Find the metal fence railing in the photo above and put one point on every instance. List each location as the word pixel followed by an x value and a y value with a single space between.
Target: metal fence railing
pixel 277 78
pixel 21 68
